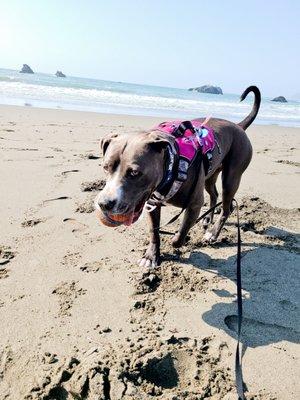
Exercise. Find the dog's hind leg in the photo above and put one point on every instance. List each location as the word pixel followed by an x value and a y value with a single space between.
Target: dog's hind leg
pixel 192 211
pixel 230 183
pixel 210 186
pixel 151 257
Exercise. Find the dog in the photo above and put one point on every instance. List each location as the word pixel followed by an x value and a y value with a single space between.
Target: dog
pixel 135 166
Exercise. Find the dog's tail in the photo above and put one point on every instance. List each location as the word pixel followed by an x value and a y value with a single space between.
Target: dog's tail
pixel 257 99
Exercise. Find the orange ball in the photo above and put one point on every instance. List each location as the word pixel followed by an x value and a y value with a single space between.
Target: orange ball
pixel 111 220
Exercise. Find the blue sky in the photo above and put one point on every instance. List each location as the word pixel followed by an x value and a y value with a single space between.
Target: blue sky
pixel 169 43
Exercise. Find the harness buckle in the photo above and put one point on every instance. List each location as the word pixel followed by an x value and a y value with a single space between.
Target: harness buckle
pixel 184 126
pixel 149 207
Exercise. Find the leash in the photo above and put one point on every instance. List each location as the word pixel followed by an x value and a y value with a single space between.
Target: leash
pixel 178 215
pixel 238 354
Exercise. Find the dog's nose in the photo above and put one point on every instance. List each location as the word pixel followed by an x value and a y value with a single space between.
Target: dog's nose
pixel 107 205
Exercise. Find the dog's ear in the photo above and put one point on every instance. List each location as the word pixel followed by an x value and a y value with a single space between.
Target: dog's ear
pixel 105 141
pixel 159 140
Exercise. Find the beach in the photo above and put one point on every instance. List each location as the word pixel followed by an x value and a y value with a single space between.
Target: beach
pixel 80 319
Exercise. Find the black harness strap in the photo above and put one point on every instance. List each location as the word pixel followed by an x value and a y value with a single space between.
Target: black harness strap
pixel 199 159
pixel 185 125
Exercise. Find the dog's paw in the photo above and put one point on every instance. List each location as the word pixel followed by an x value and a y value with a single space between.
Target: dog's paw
pixel 146 262
pixel 178 241
pixel 209 237
pixel 151 258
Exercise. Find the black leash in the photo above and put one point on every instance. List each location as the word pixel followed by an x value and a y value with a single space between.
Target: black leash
pixel 238 354
pixel 178 215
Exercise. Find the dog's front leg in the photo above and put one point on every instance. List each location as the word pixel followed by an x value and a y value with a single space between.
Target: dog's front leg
pixel 151 257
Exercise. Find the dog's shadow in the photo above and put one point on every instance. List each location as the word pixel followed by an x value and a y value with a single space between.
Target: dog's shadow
pixel 271 290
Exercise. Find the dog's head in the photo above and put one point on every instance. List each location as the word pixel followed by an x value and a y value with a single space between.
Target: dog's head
pixel 134 165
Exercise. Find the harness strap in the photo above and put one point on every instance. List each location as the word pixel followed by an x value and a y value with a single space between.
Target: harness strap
pixel 184 126
pixel 198 158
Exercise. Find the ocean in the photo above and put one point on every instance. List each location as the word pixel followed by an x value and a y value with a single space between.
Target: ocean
pixel 72 93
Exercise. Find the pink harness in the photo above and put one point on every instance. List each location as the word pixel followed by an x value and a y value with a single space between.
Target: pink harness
pixel 200 138
pixel 191 137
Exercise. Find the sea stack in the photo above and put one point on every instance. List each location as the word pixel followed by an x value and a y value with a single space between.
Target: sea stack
pixel 280 99
pixel 60 74
pixel 26 69
pixel 208 89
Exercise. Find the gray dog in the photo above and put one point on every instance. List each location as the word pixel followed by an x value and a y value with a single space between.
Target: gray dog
pixel 135 165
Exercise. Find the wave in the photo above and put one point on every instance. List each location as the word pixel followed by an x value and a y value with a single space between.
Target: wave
pixel 98 99
pixel 7 78
pixel 108 97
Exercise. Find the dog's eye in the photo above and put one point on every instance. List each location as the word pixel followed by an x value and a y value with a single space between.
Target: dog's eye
pixel 105 167
pixel 133 173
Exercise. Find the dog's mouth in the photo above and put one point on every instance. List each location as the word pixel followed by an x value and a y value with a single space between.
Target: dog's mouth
pixel 128 217
pixel 137 211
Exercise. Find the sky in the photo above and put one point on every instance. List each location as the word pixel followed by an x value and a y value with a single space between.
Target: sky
pixel 183 43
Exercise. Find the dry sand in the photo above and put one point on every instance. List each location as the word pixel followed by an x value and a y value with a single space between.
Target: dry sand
pixel 78 317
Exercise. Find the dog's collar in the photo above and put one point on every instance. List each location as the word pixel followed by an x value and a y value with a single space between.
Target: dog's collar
pixel 170 167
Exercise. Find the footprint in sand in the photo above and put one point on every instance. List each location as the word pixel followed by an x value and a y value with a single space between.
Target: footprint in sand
pixel 91 157
pixel 5 255
pixel 263 151
pixel 76 225
pixel 71 259
pixel 29 223
pixel 67 292
pixel 93 185
pixel 3 273
pixel 70 171
pixel 87 206
pixel 288 162
pixel 93 266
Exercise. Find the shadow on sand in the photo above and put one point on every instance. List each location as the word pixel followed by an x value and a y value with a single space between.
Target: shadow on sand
pixel 271 290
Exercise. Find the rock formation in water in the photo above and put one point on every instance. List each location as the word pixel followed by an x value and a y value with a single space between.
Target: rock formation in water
pixel 207 89
pixel 60 74
pixel 26 69
pixel 280 99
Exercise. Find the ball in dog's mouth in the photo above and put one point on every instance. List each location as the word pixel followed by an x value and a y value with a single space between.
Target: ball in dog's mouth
pixel 114 219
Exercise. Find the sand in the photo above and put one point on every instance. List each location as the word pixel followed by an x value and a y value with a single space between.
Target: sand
pixel 79 319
